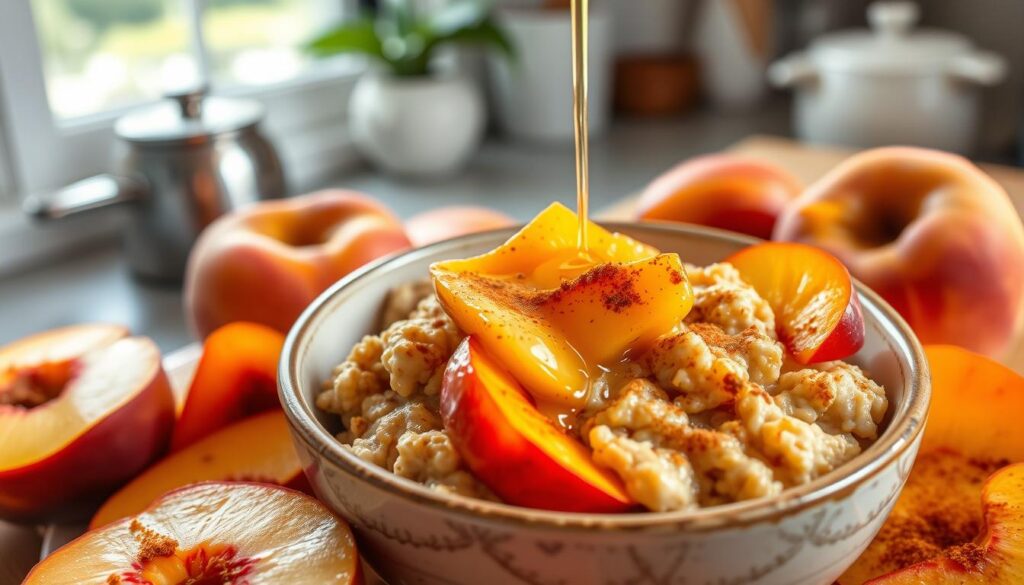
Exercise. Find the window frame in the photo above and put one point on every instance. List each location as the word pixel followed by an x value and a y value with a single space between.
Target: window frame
pixel 39 153
pixel 46 153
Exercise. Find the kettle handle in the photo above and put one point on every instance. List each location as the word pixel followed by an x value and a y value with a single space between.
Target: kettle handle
pixel 981 67
pixel 85 195
pixel 794 70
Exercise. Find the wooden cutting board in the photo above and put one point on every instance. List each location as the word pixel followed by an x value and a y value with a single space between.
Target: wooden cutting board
pixel 809 163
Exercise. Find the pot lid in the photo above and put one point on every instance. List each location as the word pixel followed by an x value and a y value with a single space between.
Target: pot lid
pixel 188 116
pixel 891 46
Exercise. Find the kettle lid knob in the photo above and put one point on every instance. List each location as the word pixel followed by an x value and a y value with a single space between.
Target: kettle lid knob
pixel 892 18
pixel 190 101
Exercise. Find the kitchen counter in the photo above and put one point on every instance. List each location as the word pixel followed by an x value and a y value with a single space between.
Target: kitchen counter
pixel 518 178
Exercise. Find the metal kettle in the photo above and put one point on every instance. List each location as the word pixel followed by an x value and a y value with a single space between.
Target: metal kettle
pixel 184 162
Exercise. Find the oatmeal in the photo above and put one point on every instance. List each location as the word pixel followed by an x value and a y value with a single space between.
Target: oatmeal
pixel 711 413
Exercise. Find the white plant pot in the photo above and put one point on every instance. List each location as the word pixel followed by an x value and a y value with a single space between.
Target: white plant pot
pixel 533 93
pixel 421 126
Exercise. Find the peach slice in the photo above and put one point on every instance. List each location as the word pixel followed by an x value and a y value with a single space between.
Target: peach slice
pixel 998 555
pixel 973 429
pixel 515 450
pixel 256 449
pixel 221 533
pixel 82 410
pixel 236 377
pixel 818 316
pixel 535 303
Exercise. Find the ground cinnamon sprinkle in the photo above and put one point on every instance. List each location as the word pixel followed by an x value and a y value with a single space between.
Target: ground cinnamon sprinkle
pixel 152 544
pixel 938 514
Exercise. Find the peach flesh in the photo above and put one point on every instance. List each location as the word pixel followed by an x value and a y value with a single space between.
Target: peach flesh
pixel 518 452
pixel 817 314
pixel 213 533
pixel 256 449
pixel 111 418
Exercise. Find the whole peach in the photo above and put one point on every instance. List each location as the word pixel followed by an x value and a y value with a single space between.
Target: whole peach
pixel 265 263
pixel 929 231
pixel 443 223
pixel 723 191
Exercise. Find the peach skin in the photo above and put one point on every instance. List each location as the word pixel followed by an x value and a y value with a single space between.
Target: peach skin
pixel 236 377
pixel 266 262
pixel 930 232
pixel 514 449
pixel 722 191
pixel 450 222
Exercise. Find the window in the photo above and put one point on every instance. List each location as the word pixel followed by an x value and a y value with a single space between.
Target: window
pixel 69 68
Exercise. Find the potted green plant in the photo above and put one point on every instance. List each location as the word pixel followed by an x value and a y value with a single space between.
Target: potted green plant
pixel 406 116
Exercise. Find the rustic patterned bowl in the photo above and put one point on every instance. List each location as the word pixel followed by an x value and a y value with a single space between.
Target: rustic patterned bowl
pixel 413 536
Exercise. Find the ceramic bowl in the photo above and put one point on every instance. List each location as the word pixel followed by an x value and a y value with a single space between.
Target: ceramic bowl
pixel 413 536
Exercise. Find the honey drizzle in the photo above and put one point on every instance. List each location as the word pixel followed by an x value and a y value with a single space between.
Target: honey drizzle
pixel 580 89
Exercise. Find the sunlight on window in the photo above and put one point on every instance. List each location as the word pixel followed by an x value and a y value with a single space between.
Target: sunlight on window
pixel 101 54
pixel 253 42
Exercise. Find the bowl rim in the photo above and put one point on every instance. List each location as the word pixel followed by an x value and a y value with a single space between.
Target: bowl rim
pixel 905 426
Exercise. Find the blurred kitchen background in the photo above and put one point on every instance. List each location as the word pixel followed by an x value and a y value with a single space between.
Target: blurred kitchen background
pixel 485 122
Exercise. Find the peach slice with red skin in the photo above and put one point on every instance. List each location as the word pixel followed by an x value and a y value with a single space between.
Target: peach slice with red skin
pixel 239 533
pixel 535 303
pixel 998 555
pixel 258 448
pixel 236 377
pixel 817 313
pixel 524 457
pixel 82 410
pixel 973 428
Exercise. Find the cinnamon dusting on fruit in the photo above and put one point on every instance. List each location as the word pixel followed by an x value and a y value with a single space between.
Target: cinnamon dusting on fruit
pixel 933 518
pixel 152 544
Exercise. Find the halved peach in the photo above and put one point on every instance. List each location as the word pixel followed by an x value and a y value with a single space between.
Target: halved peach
pixel 817 314
pixel 82 410
pixel 442 223
pixel 973 429
pixel 236 377
pixel 259 449
pixel 213 533
pixel 524 457
pixel 725 191
pixel 534 302
pixel 996 558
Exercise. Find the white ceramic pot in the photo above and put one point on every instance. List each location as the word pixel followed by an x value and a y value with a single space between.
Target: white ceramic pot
pixel 889 85
pixel 412 535
pixel 533 92
pixel 418 126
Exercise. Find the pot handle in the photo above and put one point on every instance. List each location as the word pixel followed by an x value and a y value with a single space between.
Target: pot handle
pixel 982 68
pixel 792 71
pixel 85 195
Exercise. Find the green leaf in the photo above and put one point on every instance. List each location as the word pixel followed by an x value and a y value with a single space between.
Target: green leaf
pixel 485 33
pixel 458 16
pixel 355 36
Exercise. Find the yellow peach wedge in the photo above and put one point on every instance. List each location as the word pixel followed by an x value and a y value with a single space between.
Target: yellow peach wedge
pixel 535 302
